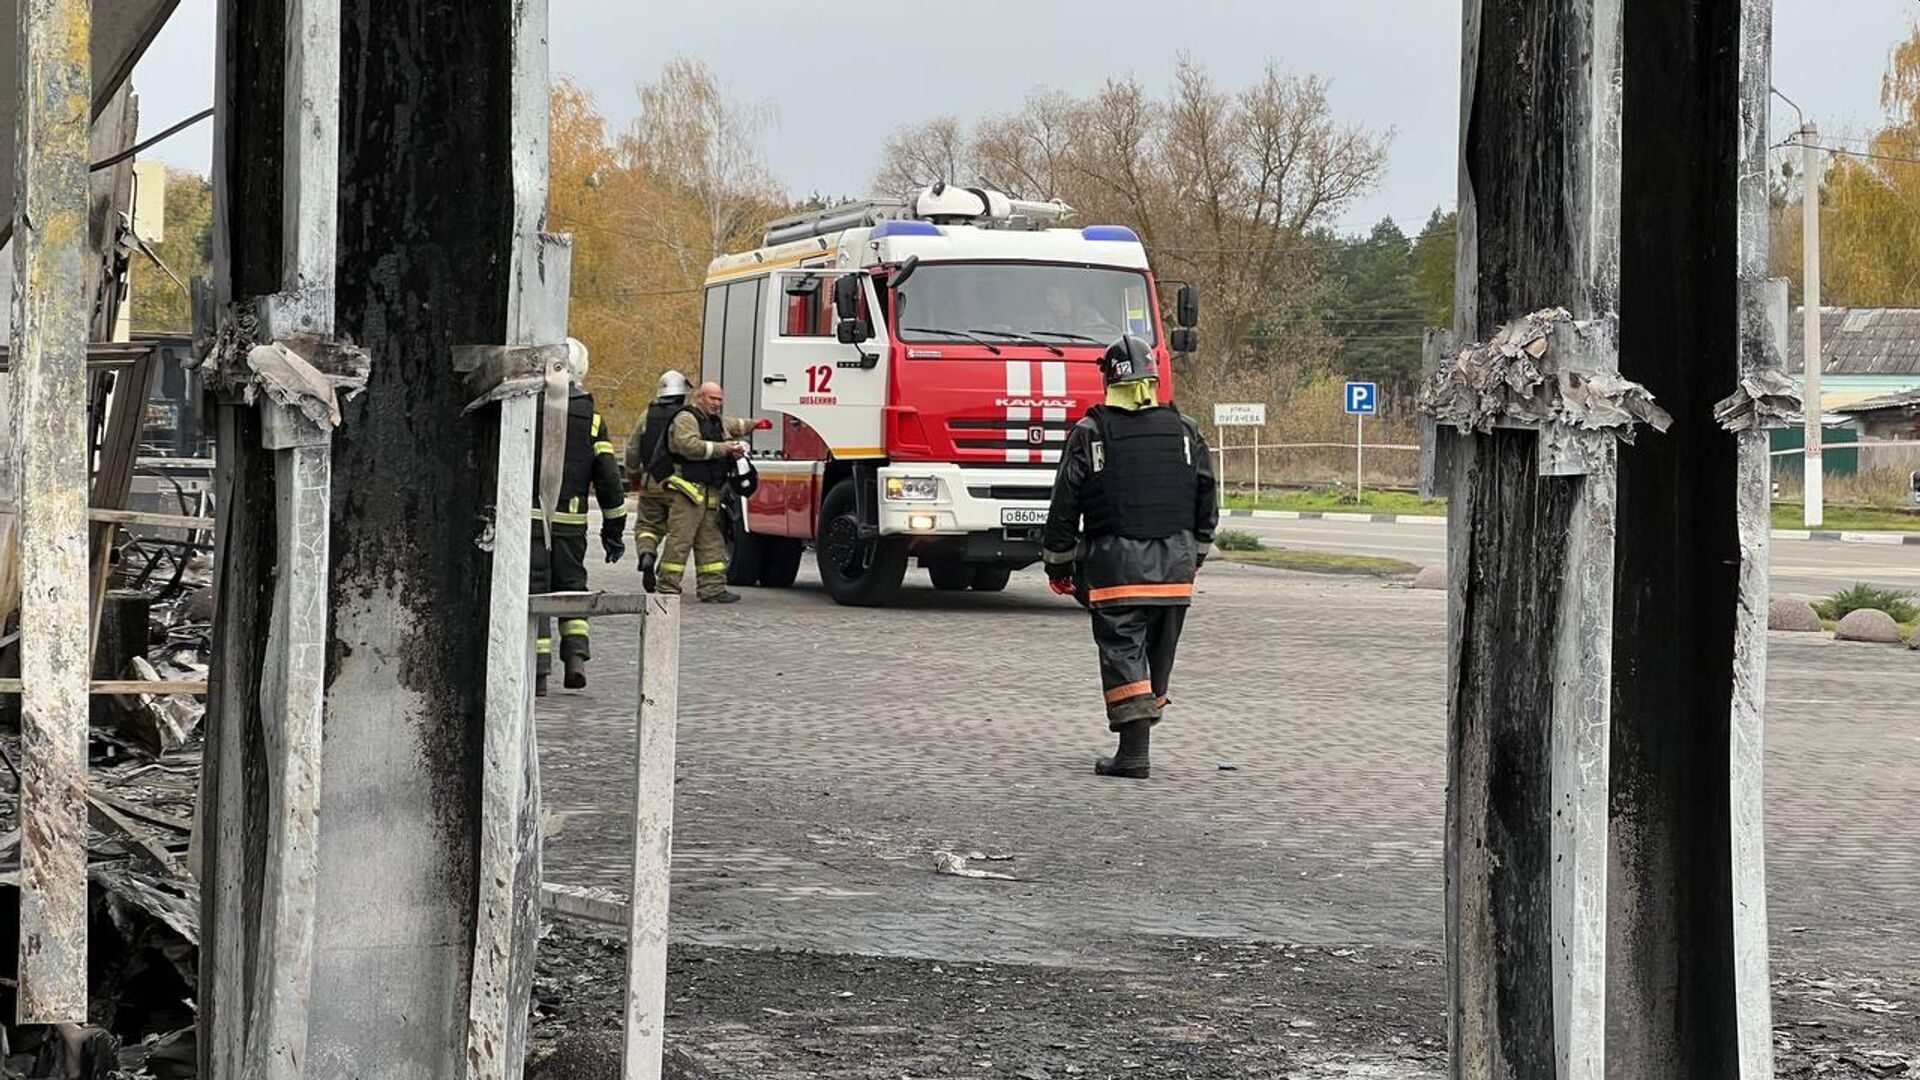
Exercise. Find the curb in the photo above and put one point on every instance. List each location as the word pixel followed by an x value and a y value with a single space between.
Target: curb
pixel 1822 535
pixel 1334 515
pixel 1815 535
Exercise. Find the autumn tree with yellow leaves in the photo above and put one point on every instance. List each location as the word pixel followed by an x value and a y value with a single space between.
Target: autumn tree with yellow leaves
pixel 1869 203
pixel 648 209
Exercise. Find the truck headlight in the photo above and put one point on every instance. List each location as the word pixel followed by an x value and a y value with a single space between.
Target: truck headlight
pixel 912 489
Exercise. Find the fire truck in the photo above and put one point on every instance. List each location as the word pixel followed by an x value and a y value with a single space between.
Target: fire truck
pixel 921 362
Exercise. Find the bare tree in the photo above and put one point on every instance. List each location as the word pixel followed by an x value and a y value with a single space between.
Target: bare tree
pixel 1028 153
pixel 1235 192
pixel 924 154
pixel 693 140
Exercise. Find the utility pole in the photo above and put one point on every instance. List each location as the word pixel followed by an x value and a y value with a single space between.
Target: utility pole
pixel 1815 483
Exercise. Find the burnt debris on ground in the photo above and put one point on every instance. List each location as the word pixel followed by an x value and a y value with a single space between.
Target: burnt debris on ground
pixel 1203 1009
pixel 144 756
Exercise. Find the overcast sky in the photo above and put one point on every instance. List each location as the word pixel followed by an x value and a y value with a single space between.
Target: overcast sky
pixel 1394 64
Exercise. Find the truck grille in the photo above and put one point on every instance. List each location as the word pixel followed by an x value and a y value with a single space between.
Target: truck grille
pixel 1011 493
pixel 1003 434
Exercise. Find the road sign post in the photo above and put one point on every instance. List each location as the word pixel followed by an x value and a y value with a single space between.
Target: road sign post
pixel 1363 400
pixel 1248 414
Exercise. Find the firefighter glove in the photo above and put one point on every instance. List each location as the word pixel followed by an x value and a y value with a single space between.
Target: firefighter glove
pixel 612 540
pixel 1060 578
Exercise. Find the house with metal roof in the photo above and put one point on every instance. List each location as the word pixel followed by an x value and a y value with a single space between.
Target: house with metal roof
pixel 1893 419
pixel 1868 354
pixel 1865 352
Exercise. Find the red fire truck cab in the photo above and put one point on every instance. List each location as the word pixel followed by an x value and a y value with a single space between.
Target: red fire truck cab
pixel 921 362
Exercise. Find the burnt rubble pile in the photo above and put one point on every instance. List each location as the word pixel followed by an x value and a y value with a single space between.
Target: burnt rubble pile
pixel 144 768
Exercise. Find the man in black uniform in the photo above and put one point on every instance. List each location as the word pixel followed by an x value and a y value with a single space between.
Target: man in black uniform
pixel 1140 475
pixel 591 466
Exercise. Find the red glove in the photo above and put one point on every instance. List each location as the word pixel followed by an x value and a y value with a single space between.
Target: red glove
pixel 1060 586
pixel 763 424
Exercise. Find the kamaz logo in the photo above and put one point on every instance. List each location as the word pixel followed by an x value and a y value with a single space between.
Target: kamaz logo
pixel 1033 403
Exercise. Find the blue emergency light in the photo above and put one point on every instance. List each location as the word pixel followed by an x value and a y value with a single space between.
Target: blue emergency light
pixel 904 228
pixel 1111 233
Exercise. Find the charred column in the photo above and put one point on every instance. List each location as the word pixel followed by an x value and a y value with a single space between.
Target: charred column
pixel 1687 993
pixel 1606 907
pixel 366 233
pixel 52 281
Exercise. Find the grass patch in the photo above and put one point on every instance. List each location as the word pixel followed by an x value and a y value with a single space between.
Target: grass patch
pixel 1236 540
pixel 1320 562
pixel 1338 500
pixel 1847 519
pixel 1862 596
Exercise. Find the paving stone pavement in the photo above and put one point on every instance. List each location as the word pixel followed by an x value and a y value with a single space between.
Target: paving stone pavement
pixel 827 752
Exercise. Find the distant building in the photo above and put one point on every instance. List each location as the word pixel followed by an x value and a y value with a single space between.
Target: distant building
pixel 1868 354
pixel 1889 418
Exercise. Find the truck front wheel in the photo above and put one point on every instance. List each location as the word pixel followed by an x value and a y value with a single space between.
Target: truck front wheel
pixel 950 576
pixel 991 578
pixel 780 562
pixel 857 572
pixel 744 549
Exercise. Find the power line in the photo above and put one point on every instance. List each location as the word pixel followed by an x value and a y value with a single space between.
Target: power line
pixel 1843 152
pixel 137 148
pixel 1793 142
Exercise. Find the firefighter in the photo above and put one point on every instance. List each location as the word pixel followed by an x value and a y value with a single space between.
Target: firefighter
pixel 1139 475
pixel 562 567
pixel 703 446
pixel 643 459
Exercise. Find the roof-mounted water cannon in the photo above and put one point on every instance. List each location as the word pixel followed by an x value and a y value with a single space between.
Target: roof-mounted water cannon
pixel 944 204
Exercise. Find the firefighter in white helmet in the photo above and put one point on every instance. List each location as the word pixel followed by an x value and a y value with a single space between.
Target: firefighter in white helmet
pixel 591 470
pixel 647 461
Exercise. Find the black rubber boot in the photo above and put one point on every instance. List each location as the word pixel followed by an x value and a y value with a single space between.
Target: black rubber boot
pixel 540 685
pixel 576 675
pixel 721 598
pixel 649 580
pixel 1130 763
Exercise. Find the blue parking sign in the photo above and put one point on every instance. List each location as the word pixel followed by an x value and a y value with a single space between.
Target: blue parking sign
pixel 1363 399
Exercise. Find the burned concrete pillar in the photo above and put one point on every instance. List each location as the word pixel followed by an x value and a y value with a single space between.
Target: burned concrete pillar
pixel 366 226
pixel 1604 905
pixel 49 439
pixel 1688 991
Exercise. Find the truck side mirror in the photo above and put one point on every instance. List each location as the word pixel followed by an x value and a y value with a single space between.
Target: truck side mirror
pixel 846 296
pixel 1187 308
pixel 1184 340
pixel 855 328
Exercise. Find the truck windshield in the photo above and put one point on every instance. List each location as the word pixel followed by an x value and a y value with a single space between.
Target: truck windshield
pixel 1018 302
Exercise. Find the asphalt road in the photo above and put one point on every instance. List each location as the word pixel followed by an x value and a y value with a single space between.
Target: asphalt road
pixel 1801 568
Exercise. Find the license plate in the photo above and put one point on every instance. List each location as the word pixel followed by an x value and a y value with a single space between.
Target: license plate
pixel 1019 516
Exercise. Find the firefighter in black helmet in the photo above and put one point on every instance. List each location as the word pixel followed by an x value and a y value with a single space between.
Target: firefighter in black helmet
pixel 1139 475
pixel 591 470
